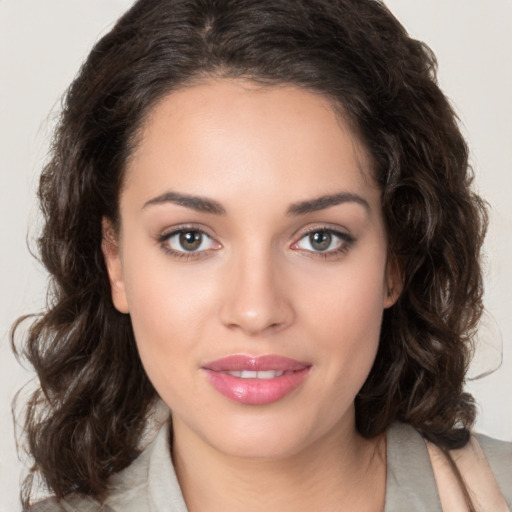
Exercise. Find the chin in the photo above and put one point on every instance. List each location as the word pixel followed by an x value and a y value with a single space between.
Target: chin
pixel 264 446
pixel 262 436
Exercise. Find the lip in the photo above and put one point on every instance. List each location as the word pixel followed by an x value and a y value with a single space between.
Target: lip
pixel 254 391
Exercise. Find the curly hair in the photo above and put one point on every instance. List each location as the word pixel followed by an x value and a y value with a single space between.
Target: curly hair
pixel 84 422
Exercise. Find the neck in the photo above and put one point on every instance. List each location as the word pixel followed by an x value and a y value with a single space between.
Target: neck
pixel 341 471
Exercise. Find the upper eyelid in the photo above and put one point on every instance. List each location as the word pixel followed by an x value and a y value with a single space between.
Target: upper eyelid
pixel 164 237
pixel 339 234
pixel 321 227
pixel 346 238
pixel 168 232
pixel 163 240
pixel 346 243
pixel 296 235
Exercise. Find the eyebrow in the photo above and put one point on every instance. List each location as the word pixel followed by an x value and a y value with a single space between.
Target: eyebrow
pixel 320 203
pixel 200 204
pixel 205 205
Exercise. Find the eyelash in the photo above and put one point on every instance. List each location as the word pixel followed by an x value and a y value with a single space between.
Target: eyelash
pixel 184 255
pixel 346 241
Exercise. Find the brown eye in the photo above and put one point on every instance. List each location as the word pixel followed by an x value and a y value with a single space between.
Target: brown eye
pixel 324 241
pixel 190 240
pixel 320 240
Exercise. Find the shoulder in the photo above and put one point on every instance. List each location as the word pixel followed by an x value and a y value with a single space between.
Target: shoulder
pixel 148 480
pixel 482 467
pixel 421 474
pixel 72 503
pixel 410 482
pixel 127 493
pixel 127 490
pixel 499 457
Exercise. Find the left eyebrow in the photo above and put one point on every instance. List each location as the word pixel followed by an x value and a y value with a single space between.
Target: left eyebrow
pixel 200 204
pixel 322 202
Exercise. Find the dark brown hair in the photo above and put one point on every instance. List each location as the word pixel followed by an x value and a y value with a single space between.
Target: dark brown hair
pixel 85 421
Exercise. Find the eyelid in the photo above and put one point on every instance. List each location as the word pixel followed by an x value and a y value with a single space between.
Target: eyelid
pixel 169 233
pixel 347 240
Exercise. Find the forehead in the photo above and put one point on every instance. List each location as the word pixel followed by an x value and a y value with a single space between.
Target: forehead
pixel 235 135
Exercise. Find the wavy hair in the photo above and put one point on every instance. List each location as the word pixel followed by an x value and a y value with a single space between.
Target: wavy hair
pixel 84 422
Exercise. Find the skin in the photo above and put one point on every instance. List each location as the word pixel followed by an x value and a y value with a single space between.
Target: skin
pixel 256 286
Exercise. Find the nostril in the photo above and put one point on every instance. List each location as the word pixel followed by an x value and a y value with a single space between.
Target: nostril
pixel 258 302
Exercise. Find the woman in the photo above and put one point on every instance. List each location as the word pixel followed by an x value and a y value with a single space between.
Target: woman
pixel 260 215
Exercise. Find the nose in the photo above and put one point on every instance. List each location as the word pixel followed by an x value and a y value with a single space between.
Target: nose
pixel 257 301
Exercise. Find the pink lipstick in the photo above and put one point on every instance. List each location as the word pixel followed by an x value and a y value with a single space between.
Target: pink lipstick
pixel 254 380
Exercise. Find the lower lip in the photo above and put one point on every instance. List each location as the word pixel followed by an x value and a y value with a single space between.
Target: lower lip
pixel 256 391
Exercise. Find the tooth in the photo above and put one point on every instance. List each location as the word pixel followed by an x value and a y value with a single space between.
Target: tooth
pixel 269 374
pixel 249 374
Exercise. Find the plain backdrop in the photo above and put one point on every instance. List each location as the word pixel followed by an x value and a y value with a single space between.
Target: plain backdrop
pixel 42 44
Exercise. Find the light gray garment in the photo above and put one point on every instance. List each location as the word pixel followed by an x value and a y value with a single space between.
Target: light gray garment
pixel 150 484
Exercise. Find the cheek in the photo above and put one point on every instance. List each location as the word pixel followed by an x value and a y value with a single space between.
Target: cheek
pixel 350 298
pixel 169 312
pixel 345 316
pixel 160 293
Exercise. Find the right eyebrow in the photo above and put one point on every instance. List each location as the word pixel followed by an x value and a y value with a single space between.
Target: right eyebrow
pixel 198 203
pixel 323 202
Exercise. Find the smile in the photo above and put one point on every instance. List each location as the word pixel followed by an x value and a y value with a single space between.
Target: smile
pixel 250 374
pixel 255 380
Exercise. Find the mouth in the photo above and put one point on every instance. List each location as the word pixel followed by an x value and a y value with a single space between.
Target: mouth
pixel 253 380
pixel 250 374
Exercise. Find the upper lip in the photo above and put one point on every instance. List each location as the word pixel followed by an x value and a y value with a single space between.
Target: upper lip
pixel 239 362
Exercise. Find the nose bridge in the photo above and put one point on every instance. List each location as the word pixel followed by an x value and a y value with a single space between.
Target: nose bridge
pixel 256 298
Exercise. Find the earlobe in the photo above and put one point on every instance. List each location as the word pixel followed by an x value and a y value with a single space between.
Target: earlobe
pixel 110 249
pixel 394 282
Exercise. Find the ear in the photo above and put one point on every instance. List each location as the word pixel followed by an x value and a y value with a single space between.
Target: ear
pixel 110 249
pixel 394 281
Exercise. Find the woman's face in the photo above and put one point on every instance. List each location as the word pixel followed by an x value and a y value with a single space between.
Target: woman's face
pixel 250 227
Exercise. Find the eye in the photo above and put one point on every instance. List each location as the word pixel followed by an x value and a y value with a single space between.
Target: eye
pixel 189 241
pixel 324 240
